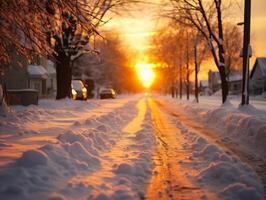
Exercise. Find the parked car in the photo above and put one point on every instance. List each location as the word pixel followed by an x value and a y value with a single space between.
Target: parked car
pixel 78 90
pixel 107 93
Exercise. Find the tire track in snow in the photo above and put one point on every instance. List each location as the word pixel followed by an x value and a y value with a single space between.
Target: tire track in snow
pixel 169 179
pixel 127 166
pixel 248 157
pixel 210 149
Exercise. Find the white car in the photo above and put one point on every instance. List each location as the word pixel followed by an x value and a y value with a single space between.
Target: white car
pixel 78 90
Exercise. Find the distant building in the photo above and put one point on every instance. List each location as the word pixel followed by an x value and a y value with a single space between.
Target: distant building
pixel 204 88
pixel 214 81
pixel 21 75
pixel 235 83
pixel 36 77
pixel 258 77
pixel 51 85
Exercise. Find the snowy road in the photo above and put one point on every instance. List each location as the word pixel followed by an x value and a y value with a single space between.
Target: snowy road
pixel 134 147
pixel 170 179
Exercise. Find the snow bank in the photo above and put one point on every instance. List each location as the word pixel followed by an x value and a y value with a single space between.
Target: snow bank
pixel 131 176
pixel 219 170
pixel 65 168
pixel 38 171
pixel 211 165
pixel 240 191
pixel 243 124
pixel 16 123
pixel 32 158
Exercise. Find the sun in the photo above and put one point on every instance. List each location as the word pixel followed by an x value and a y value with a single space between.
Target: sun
pixel 146 74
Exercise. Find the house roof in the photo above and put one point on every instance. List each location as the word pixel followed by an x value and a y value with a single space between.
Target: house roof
pixel 261 63
pixel 37 71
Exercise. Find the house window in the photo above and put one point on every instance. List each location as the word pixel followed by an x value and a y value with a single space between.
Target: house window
pixel 37 86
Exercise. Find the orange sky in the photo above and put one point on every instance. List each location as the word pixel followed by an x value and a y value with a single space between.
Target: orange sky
pixel 137 28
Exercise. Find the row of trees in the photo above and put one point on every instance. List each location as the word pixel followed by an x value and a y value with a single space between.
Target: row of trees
pixel 110 67
pixel 198 32
pixel 59 29
pixel 178 50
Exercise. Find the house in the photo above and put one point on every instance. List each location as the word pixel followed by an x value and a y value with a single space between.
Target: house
pixel 51 86
pixel 37 77
pixel 235 83
pixel 214 81
pixel 20 75
pixel 258 77
pixel 204 88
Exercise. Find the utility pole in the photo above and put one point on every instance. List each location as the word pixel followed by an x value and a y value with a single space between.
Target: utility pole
pixel 246 53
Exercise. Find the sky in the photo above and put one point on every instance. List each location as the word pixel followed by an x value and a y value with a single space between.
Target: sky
pixel 137 27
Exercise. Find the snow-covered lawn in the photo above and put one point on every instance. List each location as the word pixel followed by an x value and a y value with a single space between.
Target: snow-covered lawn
pixel 244 125
pixel 133 147
pixel 208 163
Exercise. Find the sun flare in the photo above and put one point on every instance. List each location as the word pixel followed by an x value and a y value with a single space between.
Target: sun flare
pixel 146 74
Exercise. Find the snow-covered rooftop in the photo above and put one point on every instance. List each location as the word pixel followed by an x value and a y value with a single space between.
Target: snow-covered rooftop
pixel 262 65
pixel 37 71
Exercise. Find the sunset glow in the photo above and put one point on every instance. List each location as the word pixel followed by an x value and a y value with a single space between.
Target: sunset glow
pixel 146 74
pixel 136 32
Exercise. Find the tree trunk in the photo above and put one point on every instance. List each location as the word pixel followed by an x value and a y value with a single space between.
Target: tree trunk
pixel 64 76
pixel 224 83
pixel 222 69
pixel 196 73
pixel 173 90
pixel 180 83
pixel 187 80
pixel 187 46
pixel 196 84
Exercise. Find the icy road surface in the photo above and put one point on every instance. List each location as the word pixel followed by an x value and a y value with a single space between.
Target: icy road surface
pixel 133 147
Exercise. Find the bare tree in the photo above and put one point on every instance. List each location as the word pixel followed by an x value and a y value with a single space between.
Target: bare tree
pixel 232 44
pixel 169 49
pixel 110 67
pixel 206 16
pixel 62 29
pixel 200 54
pixel 22 25
pixel 79 27
pixel 189 47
